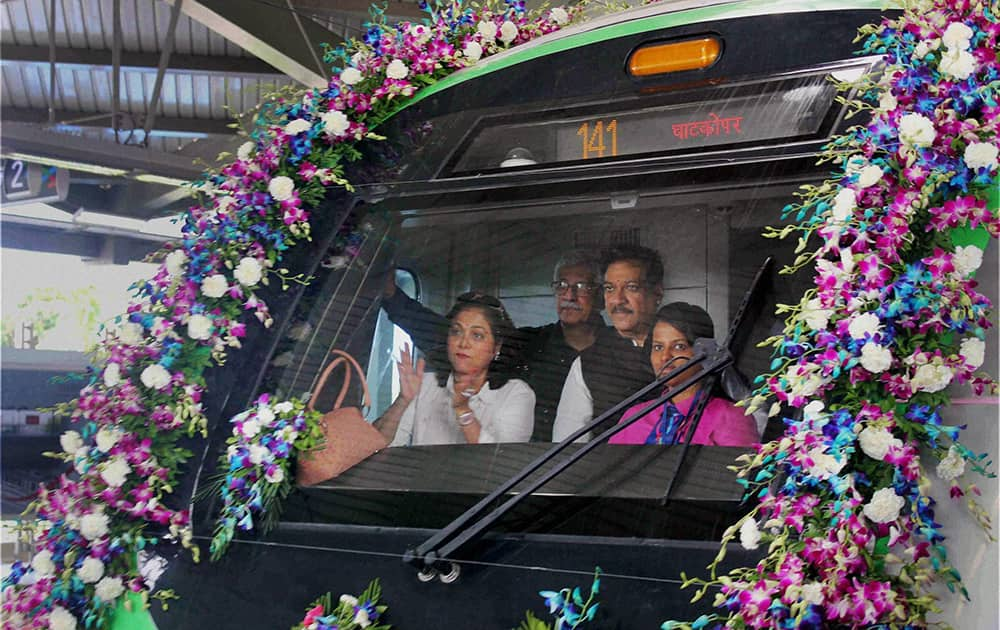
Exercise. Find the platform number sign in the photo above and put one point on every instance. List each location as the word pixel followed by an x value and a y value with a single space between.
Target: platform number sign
pixel 29 182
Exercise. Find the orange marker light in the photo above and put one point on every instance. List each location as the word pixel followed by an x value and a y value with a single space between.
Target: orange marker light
pixel 690 54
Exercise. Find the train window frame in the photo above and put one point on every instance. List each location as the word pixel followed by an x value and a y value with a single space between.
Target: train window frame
pixel 388 341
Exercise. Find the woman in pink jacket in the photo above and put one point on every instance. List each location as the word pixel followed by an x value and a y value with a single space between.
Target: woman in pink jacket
pixel 677 327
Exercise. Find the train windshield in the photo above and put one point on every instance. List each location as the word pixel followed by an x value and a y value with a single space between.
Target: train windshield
pixel 522 270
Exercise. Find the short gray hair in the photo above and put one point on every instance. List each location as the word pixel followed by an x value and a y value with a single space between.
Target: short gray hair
pixel 579 258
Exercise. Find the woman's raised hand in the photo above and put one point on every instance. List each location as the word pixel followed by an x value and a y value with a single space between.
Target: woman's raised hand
pixel 410 377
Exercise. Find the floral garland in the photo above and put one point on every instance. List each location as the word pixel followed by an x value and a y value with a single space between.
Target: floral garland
pixel 348 613
pixel 894 318
pixel 146 394
pixel 258 463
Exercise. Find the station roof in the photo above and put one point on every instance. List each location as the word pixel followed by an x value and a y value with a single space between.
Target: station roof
pixel 181 69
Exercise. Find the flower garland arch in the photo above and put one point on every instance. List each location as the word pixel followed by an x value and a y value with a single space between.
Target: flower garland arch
pixel 894 318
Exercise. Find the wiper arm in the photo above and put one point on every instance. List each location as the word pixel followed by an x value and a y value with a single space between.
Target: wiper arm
pixel 437 551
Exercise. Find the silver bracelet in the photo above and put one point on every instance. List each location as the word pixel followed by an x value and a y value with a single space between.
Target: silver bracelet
pixel 466 418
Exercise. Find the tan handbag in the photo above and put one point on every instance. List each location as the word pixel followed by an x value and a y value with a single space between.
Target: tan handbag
pixel 349 438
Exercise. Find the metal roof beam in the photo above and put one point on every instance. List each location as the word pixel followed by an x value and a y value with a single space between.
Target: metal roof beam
pixel 35 140
pixel 136 61
pixel 332 7
pixel 102 120
pixel 281 36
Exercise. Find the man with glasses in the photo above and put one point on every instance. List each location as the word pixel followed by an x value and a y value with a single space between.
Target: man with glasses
pixel 546 351
pixel 615 365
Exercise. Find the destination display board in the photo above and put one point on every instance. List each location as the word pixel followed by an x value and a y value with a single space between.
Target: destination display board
pixel 753 114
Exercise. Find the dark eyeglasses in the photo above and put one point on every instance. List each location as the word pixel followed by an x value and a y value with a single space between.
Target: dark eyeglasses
pixel 561 287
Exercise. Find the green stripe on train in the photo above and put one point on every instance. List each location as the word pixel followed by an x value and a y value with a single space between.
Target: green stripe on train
pixel 551 45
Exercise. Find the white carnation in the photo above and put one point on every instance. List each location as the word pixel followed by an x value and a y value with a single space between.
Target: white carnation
pixel 843 205
pixel 749 534
pixel 215 285
pixel 473 51
pixel 974 351
pixel 887 102
pixel 284 406
pixel 959 64
pixel 258 454
pixel 487 30
pixel 71 442
pixel 967 259
pixel 864 325
pixel 42 563
pixel 130 334
pixel 559 15
pixel 155 376
pixel 508 32
pixel 94 526
pixel 281 188
pixel 109 589
pixel 351 76
pixel 815 316
pixel 875 442
pixel 115 472
pixel 243 153
pixel 199 327
pixel 107 438
pixel 348 600
pixel 884 506
pixel 952 466
pixel 916 130
pixel 335 122
pixel 931 378
pixel 91 570
pixel 248 272
pixel 957 35
pixel 250 428
pixel 175 262
pixel 980 155
pixel 61 619
pixel 297 126
pixel 824 464
pixel 277 476
pixel 265 416
pixel 396 69
pixel 875 358
pixel 112 375
pixel 869 175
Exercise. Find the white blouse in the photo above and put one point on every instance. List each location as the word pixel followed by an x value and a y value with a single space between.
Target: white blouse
pixel 505 415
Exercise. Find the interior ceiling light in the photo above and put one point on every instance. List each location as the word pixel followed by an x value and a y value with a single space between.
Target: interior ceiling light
pixel 96 169
pixel 518 156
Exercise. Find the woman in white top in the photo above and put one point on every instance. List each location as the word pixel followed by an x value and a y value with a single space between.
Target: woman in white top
pixel 474 402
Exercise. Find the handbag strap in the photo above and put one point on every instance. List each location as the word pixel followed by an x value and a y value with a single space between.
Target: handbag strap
pixel 341 358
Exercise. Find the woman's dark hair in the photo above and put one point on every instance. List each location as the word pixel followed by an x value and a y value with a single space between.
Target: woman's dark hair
pixel 502 368
pixel 691 320
pixel 694 323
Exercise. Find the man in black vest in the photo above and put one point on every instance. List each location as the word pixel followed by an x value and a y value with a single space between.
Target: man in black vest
pixel 617 364
pixel 544 353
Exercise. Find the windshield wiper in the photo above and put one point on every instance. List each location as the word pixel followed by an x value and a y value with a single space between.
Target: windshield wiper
pixel 436 553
